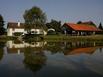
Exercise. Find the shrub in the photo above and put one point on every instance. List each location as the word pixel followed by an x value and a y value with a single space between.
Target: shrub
pixel 32 37
pixel 51 32
pixel 18 33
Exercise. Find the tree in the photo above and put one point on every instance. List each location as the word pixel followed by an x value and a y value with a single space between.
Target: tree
pixel 55 25
pixel 87 23
pixel 2 29
pixel 100 26
pixel 34 18
pixel 79 22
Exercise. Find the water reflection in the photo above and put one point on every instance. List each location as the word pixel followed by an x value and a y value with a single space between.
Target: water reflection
pixel 2 44
pixel 34 60
pixel 57 59
pixel 67 48
pixel 13 47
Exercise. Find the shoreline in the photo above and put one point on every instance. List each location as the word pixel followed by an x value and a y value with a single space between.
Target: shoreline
pixel 58 38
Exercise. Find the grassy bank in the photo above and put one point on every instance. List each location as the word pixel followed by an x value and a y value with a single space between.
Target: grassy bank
pixel 5 38
pixel 98 38
pixel 57 38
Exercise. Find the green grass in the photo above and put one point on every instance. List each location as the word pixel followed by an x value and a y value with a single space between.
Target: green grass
pixel 6 38
pixel 57 38
pixel 98 38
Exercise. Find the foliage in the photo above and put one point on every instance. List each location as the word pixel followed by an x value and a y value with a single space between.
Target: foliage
pixel 79 22
pixel 2 29
pixel 34 18
pixel 55 25
pixel 18 33
pixel 100 26
pixel 32 37
pixel 86 23
pixel 91 23
pixel 51 32
pixel 4 38
pixel 54 47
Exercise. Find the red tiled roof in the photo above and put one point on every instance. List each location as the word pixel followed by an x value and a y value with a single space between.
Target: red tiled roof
pixel 15 25
pixel 82 27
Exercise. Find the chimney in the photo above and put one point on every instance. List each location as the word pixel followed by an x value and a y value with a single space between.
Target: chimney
pixel 18 24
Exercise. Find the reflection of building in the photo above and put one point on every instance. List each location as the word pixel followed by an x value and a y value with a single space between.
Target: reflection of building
pixel 87 50
pixel 17 48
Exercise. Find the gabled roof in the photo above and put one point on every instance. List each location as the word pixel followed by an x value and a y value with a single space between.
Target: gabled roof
pixel 21 26
pixel 82 27
pixel 15 25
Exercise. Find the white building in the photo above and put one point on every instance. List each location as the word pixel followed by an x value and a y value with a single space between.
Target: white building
pixel 13 28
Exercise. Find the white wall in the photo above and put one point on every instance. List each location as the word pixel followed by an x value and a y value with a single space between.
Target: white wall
pixel 9 32
pixel 18 30
pixel 38 31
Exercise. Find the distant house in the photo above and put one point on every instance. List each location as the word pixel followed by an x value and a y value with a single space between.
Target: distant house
pixel 19 28
pixel 80 29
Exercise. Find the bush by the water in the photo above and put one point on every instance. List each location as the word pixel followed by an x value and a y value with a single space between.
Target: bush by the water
pixel 32 37
pixel 51 32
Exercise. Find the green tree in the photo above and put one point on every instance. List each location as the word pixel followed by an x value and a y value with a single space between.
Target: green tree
pixel 100 26
pixel 87 23
pixel 2 29
pixel 55 25
pixel 34 18
pixel 79 22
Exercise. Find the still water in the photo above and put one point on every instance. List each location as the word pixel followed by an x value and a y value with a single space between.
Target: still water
pixel 51 59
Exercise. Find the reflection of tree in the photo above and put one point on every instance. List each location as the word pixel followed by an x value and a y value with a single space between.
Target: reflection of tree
pixel 54 47
pixel 1 53
pixel 34 60
pixel 2 44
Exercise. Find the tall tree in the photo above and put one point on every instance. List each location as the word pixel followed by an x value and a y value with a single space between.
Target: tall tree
pixel 2 29
pixel 34 17
pixel 100 26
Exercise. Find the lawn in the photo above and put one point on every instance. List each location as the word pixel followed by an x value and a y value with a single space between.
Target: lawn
pixel 73 38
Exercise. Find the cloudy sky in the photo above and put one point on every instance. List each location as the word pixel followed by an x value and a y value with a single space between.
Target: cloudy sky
pixel 64 10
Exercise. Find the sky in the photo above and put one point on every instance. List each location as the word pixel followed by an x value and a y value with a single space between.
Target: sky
pixel 60 10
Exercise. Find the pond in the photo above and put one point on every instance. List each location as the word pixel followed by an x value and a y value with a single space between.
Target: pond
pixel 51 59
